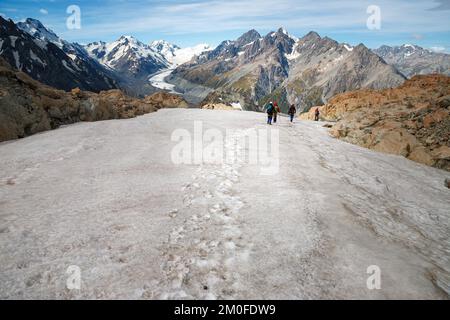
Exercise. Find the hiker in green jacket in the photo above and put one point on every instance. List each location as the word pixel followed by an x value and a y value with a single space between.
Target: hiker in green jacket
pixel 270 111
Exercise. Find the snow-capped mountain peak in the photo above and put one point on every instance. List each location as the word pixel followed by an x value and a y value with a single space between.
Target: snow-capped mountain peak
pixel 46 57
pixel 412 59
pixel 286 33
pixel 186 54
pixel 176 55
pixel 163 47
pixel 37 30
pixel 125 48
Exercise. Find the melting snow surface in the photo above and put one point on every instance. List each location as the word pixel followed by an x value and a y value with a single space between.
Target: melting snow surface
pixel 140 226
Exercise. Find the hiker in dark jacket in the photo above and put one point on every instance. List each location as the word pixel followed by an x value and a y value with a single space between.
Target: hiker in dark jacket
pixel 270 111
pixel 275 112
pixel 292 111
pixel 317 115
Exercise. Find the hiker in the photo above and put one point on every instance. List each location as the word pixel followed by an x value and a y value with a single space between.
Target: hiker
pixel 292 111
pixel 275 112
pixel 317 115
pixel 270 111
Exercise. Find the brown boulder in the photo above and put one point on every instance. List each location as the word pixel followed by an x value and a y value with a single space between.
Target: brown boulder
pixel 161 100
pixel 435 117
pixel 442 153
pixel 422 155
pixel 396 142
pixel 217 106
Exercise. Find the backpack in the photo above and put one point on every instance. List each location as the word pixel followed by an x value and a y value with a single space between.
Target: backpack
pixel 270 108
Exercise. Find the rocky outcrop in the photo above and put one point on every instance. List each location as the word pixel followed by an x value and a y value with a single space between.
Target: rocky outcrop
pixel 412 120
pixel 217 106
pixel 166 100
pixel 28 107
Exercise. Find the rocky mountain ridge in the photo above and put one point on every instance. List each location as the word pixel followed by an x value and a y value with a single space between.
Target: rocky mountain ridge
pixel 307 71
pixel 49 59
pixel 413 60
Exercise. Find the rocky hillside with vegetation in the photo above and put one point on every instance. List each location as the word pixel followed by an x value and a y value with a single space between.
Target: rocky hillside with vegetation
pixel 28 107
pixel 412 120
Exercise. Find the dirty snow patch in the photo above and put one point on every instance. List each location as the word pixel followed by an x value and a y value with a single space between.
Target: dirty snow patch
pixel 17 60
pixel 294 54
pixel 13 40
pixel 237 106
pixel 34 57
pixel 67 66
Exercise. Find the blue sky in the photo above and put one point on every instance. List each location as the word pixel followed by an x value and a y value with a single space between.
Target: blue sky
pixel 188 22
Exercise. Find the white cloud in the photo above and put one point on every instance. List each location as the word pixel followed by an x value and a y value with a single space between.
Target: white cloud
pixel 43 11
pixel 438 49
pixel 298 16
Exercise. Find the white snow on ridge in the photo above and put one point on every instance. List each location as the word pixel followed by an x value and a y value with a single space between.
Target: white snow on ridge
pixel 72 56
pixel 294 54
pixel 13 40
pixel 126 47
pixel 184 55
pixel 34 57
pixel 348 48
pixel 67 66
pixel 41 44
pixel 285 32
pixel 17 60
pixel 237 106
pixel 36 29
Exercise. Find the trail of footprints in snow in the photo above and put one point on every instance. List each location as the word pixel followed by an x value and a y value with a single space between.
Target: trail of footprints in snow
pixel 199 256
